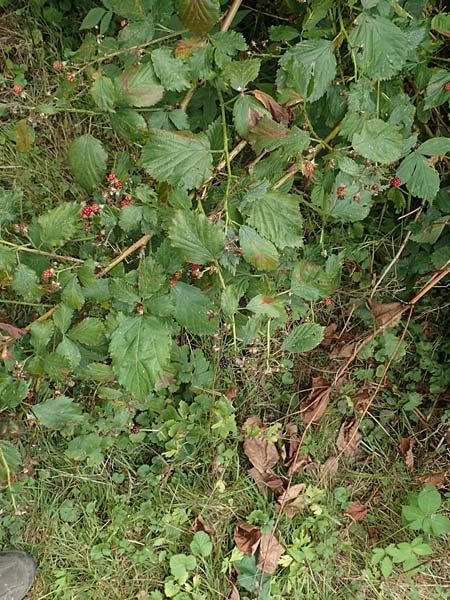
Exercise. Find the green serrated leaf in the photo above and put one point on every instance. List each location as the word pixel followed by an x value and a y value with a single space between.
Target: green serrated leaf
pixel 69 351
pixel 139 87
pixel 59 413
pixel 227 44
pixel 240 73
pixel 58 225
pixel 92 18
pixel 276 217
pixel 434 147
pixel 136 33
pixel 246 112
pixel 421 178
pixel 130 217
pixel 129 124
pixel 25 283
pixel 267 305
pixel 349 201
pixel 429 500
pixel 87 161
pixel 304 338
pixel 436 94
pixel 8 258
pixel 171 71
pixel 197 239
pixel 72 294
pixel 88 332
pixel 378 141
pixel 179 158
pixel 441 23
pixel 199 16
pixel 41 334
pixel 180 565
pixel 257 251
pixel 311 281
pixel 140 350
pixel 103 93
pixel 193 310
pixel 440 524
pixel 269 135
pixel 24 135
pixel 62 317
pixel 381 47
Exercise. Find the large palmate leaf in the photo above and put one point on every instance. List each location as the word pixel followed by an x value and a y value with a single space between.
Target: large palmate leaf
pixel 138 86
pixel 378 141
pixel 87 161
pixel 199 15
pixel 193 310
pixel 59 224
pixel 197 239
pixel 421 178
pixel 140 349
pixel 183 159
pixel 276 216
pixel 304 338
pixel 257 251
pixel 308 68
pixel 381 47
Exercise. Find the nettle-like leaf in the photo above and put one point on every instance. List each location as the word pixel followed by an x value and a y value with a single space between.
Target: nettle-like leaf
pixel 381 47
pixel 420 177
pixel 193 310
pixel 309 68
pixel 304 337
pixel 257 251
pixel 25 283
pixel 129 125
pixel 198 240
pixel 172 72
pixel 59 413
pixel 378 141
pixel 87 161
pixel 58 225
pixel 139 87
pixel 140 350
pixel 436 94
pixel 269 135
pixel 183 159
pixel 103 93
pixel 240 73
pixel 199 16
pixel 311 281
pixel 276 216
pixel 227 44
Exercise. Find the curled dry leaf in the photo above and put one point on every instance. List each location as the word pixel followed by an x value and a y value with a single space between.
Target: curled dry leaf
pixel 270 551
pixel 356 511
pixel 261 452
pixel 200 525
pixel 266 481
pixel 438 480
pixel 278 112
pixel 329 335
pixel 344 351
pixel 329 469
pixel 234 594
pixel 405 448
pixel 299 463
pixel 230 393
pixel 291 501
pixel 385 314
pixel 315 406
pixel 349 438
pixel 293 442
pixel 247 537
pixel 361 401
pixel 14 332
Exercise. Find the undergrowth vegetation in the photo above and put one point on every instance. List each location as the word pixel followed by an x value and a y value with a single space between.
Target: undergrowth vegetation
pixel 224 252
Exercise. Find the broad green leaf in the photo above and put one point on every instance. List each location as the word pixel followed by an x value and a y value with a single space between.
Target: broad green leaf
pixel 351 204
pixel 8 258
pixel 441 23
pixel 201 544
pixel 57 226
pixel 88 332
pixel 140 350
pixel 59 413
pixel 130 217
pixel 24 135
pixel 435 147
pixel 72 294
pixel 378 141
pixel 98 372
pixel 104 93
pixel 10 201
pixel 269 135
pixel 436 93
pixel 139 87
pixel 421 178
pixel 229 300
pixel 440 524
pixel 198 15
pixel 276 217
pixel 93 17
pixel 129 124
pixel 429 500
pixel 12 458
pixel 314 63
pixel 277 33
pixel 70 351
pixel 180 565
pixel 128 8
pixel 136 33
pixel 12 392
pixel 171 71
pixel 257 251
pixel 304 338
pixel 197 239
pixel 311 281
pixel 193 310
pixel 25 283
pixel 380 46
pixel 386 566
pixel 267 305
pixel 87 161
pixel 240 73
pixel 227 44
pixel 41 334
pixel 62 317
pixel 183 159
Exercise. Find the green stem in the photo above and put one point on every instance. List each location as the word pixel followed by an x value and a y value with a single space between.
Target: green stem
pixel 350 47
pixel 8 477
pixel 227 156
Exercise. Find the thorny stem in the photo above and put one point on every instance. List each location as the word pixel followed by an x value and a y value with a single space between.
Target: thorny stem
pixel 20 248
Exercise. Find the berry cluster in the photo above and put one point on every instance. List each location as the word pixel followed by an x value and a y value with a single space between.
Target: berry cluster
pixel 89 210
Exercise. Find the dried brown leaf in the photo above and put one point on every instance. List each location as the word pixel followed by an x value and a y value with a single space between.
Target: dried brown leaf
pixel 200 525
pixel 361 401
pixel 234 594
pixel 405 448
pixel 292 439
pixel 315 406
pixel 292 501
pixel 266 481
pixel 385 313
pixel 278 112
pixel 299 463
pixel 230 393
pixel 438 480
pixel 349 438
pixel 329 335
pixel 329 469
pixel 356 511
pixel 247 537
pixel 261 452
pixel 270 552
pixel 344 351
pixel 14 332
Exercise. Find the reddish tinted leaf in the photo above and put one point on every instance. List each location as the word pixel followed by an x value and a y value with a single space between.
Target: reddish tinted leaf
pixel 247 537
pixel 234 594
pixel 270 552
pixel 14 332
pixel 438 480
pixel 405 448
pixel 356 511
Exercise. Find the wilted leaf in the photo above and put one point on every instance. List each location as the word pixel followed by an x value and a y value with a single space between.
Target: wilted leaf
pixel 313 408
pixel 438 480
pixel 261 452
pixel 384 313
pixel 299 463
pixel 234 594
pixel 200 525
pixel 405 448
pixel 247 537
pixel 198 15
pixel 291 501
pixel 329 468
pixel 349 438
pixel 13 332
pixel 269 554
pixel 266 481
pixel 278 112
pixel 356 511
